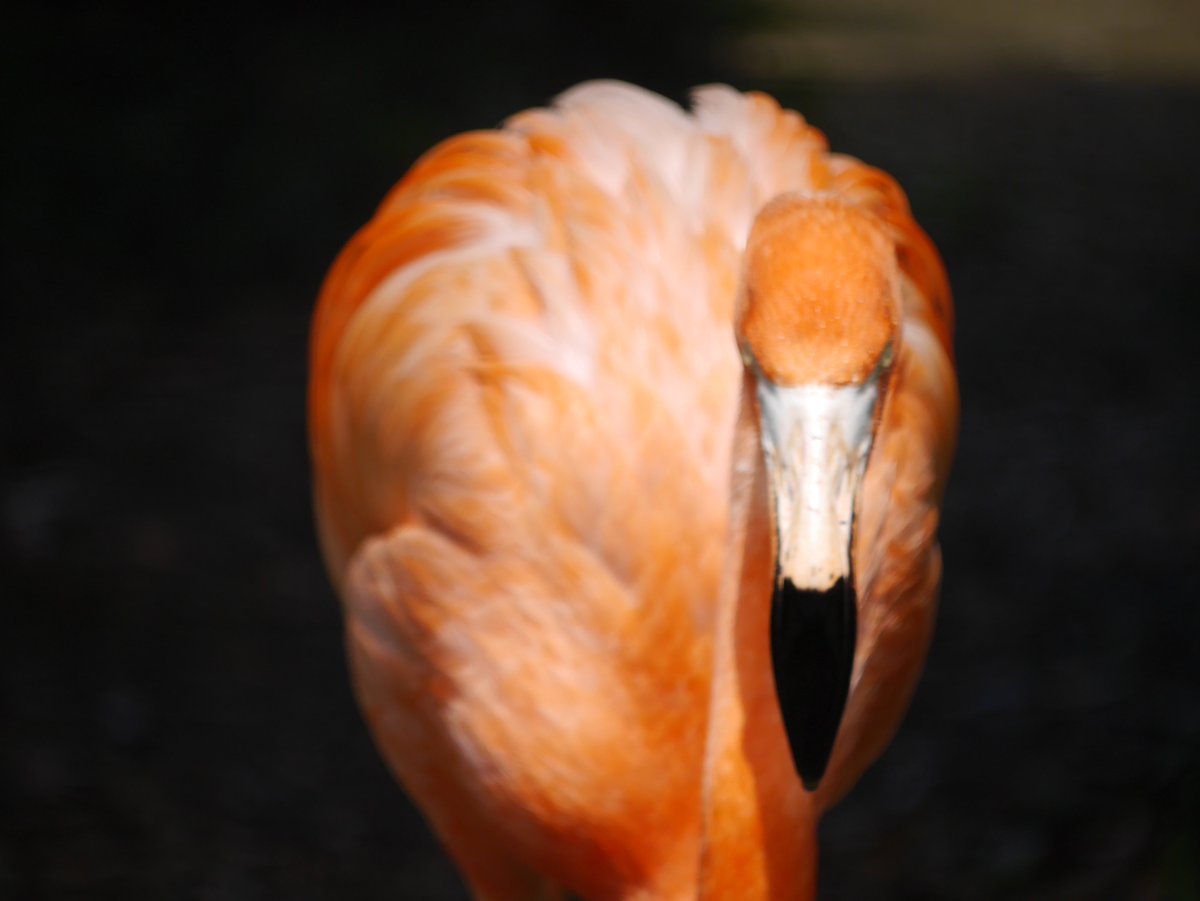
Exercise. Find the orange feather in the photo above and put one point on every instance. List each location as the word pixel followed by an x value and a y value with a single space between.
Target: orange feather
pixel 540 495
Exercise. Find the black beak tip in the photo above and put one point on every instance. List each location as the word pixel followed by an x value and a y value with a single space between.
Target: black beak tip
pixel 813 635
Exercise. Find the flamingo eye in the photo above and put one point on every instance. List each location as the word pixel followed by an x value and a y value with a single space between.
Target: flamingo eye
pixel 747 357
pixel 886 358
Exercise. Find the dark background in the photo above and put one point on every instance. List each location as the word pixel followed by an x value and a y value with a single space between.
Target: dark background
pixel 176 717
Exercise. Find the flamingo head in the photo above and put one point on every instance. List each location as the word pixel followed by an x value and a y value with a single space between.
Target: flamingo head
pixel 817 321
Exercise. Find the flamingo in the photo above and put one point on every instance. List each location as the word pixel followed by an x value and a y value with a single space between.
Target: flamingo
pixel 630 427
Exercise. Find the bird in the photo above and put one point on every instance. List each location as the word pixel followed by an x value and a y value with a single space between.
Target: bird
pixel 630 426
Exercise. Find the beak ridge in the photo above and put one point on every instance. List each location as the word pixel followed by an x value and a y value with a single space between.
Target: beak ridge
pixel 816 441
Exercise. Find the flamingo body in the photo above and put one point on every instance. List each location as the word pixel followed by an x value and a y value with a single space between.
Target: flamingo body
pixel 539 494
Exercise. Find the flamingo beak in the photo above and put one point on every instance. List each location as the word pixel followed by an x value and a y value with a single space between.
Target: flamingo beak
pixel 816 441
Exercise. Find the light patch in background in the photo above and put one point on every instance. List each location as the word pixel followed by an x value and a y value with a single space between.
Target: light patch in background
pixel 1154 41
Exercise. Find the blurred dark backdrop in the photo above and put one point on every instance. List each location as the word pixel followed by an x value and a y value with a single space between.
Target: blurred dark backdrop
pixel 176 719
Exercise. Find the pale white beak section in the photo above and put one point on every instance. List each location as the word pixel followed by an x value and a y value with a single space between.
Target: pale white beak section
pixel 816 440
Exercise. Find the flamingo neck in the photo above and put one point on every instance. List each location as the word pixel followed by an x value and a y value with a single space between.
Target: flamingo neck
pixel 758 824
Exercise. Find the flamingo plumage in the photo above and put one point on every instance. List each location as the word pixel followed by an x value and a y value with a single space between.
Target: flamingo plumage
pixel 630 428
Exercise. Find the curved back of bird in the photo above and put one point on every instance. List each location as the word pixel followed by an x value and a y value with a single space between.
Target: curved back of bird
pixel 550 192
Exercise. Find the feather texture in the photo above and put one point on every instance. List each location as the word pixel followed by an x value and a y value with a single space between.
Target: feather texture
pixel 523 401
